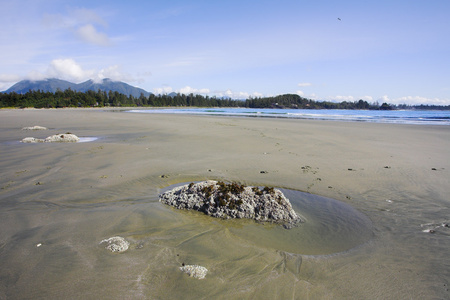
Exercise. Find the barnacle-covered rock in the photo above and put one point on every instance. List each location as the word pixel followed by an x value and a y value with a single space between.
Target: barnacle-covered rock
pixel 195 271
pixel 56 138
pixel 32 140
pixel 62 138
pixel 116 244
pixel 232 200
pixel 36 127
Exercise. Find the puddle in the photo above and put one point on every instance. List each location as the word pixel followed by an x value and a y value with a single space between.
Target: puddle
pixel 331 226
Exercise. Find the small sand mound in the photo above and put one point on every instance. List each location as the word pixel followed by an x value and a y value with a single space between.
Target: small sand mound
pixel 36 127
pixel 116 244
pixel 195 271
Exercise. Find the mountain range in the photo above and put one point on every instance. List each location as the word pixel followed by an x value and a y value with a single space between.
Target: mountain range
pixel 52 85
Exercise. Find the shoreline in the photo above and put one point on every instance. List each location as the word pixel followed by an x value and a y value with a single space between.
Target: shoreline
pixel 398 117
pixel 396 175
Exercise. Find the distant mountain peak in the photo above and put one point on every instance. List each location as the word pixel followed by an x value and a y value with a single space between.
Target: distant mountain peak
pixel 53 84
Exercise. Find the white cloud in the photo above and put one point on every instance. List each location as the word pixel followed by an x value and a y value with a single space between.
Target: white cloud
pixel 84 15
pixel 304 84
pixel 419 100
pixel 205 91
pixel 115 73
pixel 89 34
pixel 312 96
pixel 341 98
pixel 163 90
pixel 367 98
pixel 188 90
pixel 80 22
pixel 236 95
pixel 383 99
pixel 300 93
pixel 7 80
pixel 35 75
pixel 68 69
pixel 344 98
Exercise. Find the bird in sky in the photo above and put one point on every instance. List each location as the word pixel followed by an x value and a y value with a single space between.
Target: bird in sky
pixel 339 19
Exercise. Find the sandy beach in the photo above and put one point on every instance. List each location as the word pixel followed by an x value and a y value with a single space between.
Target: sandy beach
pixel 59 200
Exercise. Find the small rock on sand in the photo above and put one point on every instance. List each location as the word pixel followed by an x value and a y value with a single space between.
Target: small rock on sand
pixel 116 244
pixel 62 138
pixel 57 138
pixel 32 140
pixel 195 271
pixel 36 127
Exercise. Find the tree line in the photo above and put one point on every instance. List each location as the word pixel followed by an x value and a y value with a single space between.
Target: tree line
pixel 71 98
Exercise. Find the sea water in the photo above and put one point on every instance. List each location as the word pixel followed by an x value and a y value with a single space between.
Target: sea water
pixel 422 117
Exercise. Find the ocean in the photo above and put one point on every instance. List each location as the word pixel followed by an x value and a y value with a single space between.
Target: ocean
pixel 421 117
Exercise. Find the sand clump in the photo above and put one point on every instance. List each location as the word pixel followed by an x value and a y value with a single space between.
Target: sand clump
pixel 56 138
pixel 221 200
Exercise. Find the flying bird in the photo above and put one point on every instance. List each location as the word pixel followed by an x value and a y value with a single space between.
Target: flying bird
pixel 339 19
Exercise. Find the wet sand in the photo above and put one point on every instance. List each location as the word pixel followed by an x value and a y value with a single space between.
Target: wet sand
pixel 59 201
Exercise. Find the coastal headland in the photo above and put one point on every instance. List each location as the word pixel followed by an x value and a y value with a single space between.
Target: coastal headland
pixel 59 201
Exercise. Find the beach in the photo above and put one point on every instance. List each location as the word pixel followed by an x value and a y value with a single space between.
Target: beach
pixel 58 201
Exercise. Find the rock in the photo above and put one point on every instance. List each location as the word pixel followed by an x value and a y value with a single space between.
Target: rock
pixel 35 128
pixel 221 200
pixel 62 138
pixel 57 138
pixel 32 140
pixel 195 271
pixel 116 244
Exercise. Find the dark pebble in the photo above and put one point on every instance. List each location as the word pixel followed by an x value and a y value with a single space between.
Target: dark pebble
pixel 263 172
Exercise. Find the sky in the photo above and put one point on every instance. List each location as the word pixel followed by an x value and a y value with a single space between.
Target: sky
pixel 391 51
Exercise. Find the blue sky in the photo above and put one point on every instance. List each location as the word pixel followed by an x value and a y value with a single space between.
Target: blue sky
pixel 385 51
